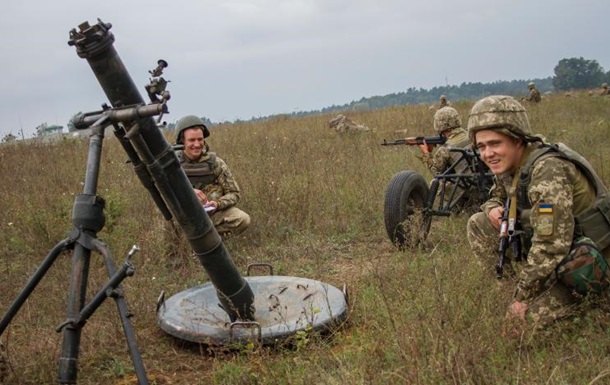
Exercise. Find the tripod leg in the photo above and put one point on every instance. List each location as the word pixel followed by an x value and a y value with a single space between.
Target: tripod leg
pixel 33 282
pixel 121 304
pixel 68 368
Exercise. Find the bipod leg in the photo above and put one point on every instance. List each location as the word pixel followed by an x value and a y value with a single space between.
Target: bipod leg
pixel 121 304
pixel 33 282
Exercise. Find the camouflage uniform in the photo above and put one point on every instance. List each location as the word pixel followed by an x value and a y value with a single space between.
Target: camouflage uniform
pixel 447 122
pixel 443 158
pixel 342 123
pixel 534 95
pixel 556 182
pixel 212 176
pixel 605 90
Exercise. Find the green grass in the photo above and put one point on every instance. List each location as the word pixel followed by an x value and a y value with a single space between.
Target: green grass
pixel 429 316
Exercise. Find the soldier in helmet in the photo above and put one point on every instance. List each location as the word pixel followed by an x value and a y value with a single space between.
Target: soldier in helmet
pixel 443 102
pixel 212 181
pixel 550 191
pixel 605 90
pixel 534 95
pixel 447 123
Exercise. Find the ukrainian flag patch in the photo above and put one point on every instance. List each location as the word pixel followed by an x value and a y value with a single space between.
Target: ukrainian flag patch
pixel 545 208
pixel 544 221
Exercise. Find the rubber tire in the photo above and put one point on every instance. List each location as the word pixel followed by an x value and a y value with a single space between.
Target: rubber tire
pixel 406 196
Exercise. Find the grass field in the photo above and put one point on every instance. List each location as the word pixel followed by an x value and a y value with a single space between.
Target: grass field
pixel 425 316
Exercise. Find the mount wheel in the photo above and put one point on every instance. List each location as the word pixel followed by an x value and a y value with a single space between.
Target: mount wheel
pixel 407 220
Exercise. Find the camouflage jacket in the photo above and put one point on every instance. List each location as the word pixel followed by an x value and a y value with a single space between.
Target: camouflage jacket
pixel 443 158
pixel 534 96
pixel 223 189
pixel 557 192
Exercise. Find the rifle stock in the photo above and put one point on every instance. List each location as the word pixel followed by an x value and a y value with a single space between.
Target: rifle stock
pixel 416 140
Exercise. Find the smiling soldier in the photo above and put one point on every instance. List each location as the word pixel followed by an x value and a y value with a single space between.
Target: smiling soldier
pixel 557 196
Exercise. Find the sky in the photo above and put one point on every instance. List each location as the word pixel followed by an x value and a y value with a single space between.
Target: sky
pixel 238 59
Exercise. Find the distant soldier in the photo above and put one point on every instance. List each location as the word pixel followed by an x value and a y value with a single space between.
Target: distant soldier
pixel 443 102
pixel 534 95
pixel 605 90
pixel 342 123
pixel 447 123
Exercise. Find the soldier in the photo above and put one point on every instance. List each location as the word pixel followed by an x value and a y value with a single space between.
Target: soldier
pixel 534 95
pixel 342 123
pixel 605 90
pixel 211 178
pixel 447 123
pixel 443 102
pixel 551 190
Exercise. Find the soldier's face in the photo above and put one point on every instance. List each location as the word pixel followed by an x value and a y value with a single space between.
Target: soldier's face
pixel 193 143
pixel 501 153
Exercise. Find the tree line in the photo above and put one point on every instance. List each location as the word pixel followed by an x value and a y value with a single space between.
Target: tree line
pixel 569 74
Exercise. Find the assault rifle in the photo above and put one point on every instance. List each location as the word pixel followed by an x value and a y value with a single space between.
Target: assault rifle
pixel 508 236
pixel 416 140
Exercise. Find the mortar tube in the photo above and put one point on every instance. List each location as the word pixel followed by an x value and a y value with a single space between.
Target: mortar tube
pixel 95 44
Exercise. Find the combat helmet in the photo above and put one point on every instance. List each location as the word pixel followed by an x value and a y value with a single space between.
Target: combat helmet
pixel 604 85
pixel 531 85
pixel 446 118
pixel 498 112
pixel 188 122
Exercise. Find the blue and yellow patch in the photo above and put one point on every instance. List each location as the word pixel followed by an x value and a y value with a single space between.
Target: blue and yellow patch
pixel 546 208
pixel 544 222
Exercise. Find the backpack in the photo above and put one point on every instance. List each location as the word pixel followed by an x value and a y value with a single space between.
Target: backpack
pixel 584 270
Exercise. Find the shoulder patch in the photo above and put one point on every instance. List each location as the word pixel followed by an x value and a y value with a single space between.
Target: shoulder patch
pixel 544 220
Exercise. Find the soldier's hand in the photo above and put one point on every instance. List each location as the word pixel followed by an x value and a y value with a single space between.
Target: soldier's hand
pixel 212 204
pixel 517 310
pixel 201 196
pixel 425 147
pixel 495 216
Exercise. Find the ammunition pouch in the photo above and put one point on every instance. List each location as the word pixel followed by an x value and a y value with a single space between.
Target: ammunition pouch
pixel 584 270
pixel 594 222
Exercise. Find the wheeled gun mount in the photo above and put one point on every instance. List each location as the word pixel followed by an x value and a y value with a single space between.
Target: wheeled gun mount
pixel 156 163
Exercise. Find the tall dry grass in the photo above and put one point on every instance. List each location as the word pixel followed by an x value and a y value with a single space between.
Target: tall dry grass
pixel 316 199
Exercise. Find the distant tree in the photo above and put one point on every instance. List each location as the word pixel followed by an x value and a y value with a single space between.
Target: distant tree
pixel 41 129
pixel 71 126
pixel 577 73
pixel 9 138
pixel 207 121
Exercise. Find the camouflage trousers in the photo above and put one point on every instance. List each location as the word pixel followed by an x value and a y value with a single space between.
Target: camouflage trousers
pixel 555 302
pixel 230 222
